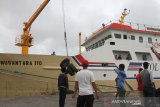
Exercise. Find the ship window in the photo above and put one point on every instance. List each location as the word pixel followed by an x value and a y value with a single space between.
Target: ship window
pixel 124 36
pixel 122 55
pixel 112 43
pixel 100 44
pixel 118 36
pixel 140 39
pixel 93 46
pixel 96 45
pixel 107 37
pixel 132 37
pixel 144 56
pixel 103 40
pixel 149 40
pixel 155 39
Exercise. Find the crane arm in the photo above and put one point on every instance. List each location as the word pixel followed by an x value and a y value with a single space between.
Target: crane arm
pixel 26 38
pixel 35 15
pixel 124 14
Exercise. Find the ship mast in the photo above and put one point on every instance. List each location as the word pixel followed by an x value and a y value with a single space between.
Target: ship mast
pixel 80 37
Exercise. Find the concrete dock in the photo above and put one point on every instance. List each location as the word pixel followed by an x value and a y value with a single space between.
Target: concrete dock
pixel 106 100
pixel 41 101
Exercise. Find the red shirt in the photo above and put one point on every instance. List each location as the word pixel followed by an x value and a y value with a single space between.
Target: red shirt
pixel 140 83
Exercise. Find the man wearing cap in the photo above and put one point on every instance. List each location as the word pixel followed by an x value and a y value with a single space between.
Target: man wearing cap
pixel 84 84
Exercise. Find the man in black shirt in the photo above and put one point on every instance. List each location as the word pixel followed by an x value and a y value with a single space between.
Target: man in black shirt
pixel 63 87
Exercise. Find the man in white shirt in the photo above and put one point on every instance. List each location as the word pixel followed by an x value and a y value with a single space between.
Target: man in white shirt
pixel 84 84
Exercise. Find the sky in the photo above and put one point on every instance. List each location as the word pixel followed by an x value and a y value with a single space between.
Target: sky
pixel 85 16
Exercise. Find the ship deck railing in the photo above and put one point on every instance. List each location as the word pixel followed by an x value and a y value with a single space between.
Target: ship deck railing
pixel 136 26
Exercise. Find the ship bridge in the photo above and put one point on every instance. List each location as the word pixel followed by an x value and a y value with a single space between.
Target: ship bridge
pixel 127 26
pixel 127 43
pixel 114 33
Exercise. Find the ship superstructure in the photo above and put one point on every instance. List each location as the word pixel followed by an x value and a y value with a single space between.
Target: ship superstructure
pixel 116 43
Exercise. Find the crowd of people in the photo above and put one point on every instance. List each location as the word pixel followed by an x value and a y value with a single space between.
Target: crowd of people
pixel 85 85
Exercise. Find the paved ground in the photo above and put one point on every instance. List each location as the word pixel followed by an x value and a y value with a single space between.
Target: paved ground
pixel 40 101
pixel 106 100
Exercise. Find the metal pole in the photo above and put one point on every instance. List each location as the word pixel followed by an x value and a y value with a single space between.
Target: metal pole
pixel 80 42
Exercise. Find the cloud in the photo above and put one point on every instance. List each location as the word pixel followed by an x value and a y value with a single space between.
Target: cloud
pixel 144 12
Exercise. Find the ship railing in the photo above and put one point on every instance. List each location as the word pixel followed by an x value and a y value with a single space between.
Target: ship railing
pixel 19 41
pixel 137 26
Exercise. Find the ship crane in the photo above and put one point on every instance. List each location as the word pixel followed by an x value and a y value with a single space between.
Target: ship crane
pixel 26 39
pixel 124 14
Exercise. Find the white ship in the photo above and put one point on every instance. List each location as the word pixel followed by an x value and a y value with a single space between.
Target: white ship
pixel 116 43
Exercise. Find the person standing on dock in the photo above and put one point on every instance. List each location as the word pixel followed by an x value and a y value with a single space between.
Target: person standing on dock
pixel 62 87
pixel 148 84
pixel 140 85
pixel 84 84
pixel 139 81
pixel 121 82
